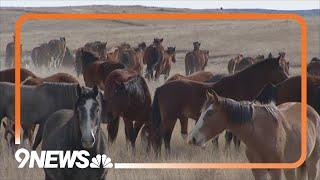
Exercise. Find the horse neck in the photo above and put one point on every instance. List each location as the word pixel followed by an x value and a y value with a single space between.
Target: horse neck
pixel 252 82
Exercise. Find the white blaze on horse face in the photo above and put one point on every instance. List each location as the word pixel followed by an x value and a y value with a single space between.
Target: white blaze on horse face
pixel 197 137
pixel 87 129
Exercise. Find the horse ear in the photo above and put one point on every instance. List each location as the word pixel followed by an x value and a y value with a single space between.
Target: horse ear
pixel 213 96
pixel 79 90
pixel 95 91
pixel 270 55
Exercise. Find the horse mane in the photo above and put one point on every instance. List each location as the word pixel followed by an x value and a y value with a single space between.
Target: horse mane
pixel 269 62
pixel 216 78
pixel 239 112
pixel 135 87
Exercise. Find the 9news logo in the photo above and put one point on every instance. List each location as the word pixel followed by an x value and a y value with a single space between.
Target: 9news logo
pixel 61 159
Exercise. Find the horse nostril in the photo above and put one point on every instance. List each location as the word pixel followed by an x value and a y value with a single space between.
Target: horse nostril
pixel 194 140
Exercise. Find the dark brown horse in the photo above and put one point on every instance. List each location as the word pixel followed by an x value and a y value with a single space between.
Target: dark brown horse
pixel 97 47
pixel 200 76
pixel 152 56
pixel 130 57
pixel 78 129
pixel 8 75
pixel 244 85
pixel 57 78
pixel 196 60
pixel 290 91
pixel 126 95
pixel 164 66
pixel 314 67
pixel 95 70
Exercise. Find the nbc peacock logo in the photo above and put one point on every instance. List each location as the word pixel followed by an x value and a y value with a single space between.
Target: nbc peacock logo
pixel 101 161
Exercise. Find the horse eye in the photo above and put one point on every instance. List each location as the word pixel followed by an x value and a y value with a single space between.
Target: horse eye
pixel 210 113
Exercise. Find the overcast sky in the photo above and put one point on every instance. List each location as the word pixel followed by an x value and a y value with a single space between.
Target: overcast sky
pixel 193 4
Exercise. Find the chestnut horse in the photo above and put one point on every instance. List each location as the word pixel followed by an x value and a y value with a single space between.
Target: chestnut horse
pixel 152 56
pixel 8 75
pixel 164 66
pixel 196 60
pixel 244 85
pixel 271 134
pixel 314 67
pixel 57 78
pixel 200 76
pixel 127 95
pixel 95 70
pixel 290 91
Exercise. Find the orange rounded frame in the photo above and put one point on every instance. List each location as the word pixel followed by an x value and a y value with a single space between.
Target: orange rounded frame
pixel 223 16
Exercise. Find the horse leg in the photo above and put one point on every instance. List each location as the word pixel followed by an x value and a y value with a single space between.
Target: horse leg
pixel 228 136
pixel 145 142
pixel 290 174
pixel 215 142
pixel 275 174
pixel 236 143
pixel 167 133
pixel 112 128
pixel 302 172
pixel 129 132
pixel 258 174
pixel 184 127
pixel 136 128
pixel 313 163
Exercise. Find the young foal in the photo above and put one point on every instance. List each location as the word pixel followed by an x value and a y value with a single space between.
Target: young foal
pixel 271 134
pixel 77 129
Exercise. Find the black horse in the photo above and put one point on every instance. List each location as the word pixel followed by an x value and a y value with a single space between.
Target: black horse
pixel 78 129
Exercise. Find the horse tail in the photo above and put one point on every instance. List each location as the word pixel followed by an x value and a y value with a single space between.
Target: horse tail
pixel 113 127
pixel 156 122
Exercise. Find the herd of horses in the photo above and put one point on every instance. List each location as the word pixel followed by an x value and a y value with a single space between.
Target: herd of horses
pixel 257 103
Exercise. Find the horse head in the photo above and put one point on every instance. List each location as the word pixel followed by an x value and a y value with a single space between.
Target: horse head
pixel 87 112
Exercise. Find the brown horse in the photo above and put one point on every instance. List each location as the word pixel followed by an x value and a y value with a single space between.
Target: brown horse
pixel 57 78
pixel 164 66
pixel 196 60
pixel 126 94
pixel 152 56
pixel 200 76
pixel 40 55
pixel 244 85
pixel 130 57
pixel 98 48
pixel 10 54
pixel 239 62
pixel 290 91
pixel 8 75
pixel 314 67
pixel 95 70
pixel 57 49
pixel 271 134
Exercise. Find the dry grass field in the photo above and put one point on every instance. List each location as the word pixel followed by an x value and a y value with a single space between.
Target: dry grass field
pixel 223 39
